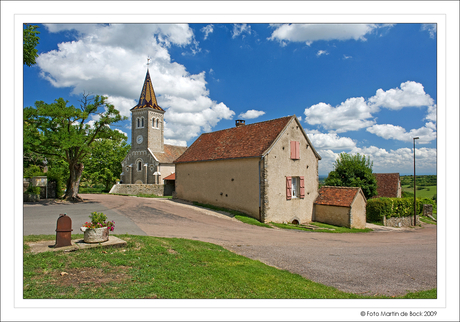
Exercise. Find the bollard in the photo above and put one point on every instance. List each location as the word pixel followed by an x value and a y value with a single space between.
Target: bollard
pixel 63 231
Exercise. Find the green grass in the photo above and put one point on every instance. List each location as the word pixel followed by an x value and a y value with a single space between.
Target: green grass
pixel 237 214
pixel 426 192
pixel 142 195
pixel 325 228
pixel 165 268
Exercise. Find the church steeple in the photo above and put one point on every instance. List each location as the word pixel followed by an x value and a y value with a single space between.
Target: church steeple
pixel 147 98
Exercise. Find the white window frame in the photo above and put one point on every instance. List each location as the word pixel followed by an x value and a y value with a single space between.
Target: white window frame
pixel 295 187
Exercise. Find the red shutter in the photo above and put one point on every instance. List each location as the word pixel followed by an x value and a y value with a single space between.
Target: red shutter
pixel 288 188
pixel 295 150
pixel 302 188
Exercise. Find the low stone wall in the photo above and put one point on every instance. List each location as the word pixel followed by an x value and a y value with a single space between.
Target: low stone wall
pixel 401 221
pixel 135 189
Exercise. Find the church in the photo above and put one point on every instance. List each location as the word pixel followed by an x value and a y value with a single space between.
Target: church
pixel 149 161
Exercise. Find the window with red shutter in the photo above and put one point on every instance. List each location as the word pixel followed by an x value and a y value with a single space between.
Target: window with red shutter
pixel 295 150
pixel 302 188
pixel 288 188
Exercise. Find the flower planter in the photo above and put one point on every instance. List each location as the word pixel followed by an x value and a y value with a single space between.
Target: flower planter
pixel 95 235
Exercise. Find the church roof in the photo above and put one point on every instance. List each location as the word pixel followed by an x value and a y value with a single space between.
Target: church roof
pixel 337 196
pixel 245 141
pixel 170 154
pixel 147 98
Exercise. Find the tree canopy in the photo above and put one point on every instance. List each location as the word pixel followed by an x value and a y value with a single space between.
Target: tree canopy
pixel 30 41
pixel 67 133
pixel 353 171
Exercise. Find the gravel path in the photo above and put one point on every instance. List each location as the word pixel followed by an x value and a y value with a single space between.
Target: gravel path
pixel 386 261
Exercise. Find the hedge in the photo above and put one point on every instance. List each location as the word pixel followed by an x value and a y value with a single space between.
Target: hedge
pixel 377 208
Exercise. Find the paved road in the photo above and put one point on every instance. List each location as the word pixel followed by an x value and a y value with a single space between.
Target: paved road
pixel 389 262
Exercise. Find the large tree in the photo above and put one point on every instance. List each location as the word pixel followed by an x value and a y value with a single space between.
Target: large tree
pixel 30 40
pixel 353 171
pixel 103 164
pixel 67 132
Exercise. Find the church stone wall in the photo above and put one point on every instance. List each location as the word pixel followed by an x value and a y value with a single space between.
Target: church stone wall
pixel 135 189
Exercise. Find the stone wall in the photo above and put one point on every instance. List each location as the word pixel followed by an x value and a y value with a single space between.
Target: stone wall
pixel 51 189
pixel 135 189
pixel 400 221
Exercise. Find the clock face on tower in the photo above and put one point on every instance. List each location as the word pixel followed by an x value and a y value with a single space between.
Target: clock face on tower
pixel 139 139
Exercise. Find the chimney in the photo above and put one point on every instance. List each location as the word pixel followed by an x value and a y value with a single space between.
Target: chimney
pixel 240 123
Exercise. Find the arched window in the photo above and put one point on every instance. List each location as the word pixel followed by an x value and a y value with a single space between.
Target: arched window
pixel 142 122
pixel 157 123
pixel 153 122
pixel 138 122
pixel 139 166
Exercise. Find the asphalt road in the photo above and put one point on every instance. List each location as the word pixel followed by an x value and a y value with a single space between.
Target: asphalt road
pixel 387 262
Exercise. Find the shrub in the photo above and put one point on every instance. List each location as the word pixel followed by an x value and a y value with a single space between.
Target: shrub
pixel 33 190
pixel 377 208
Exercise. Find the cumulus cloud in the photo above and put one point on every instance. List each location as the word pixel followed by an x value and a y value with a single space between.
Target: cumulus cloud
pixel 207 30
pixel 389 131
pixel 400 160
pixel 351 115
pixel 241 29
pixel 251 114
pixel 331 141
pixel 411 94
pixel 110 60
pixel 357 113
pixel 309 33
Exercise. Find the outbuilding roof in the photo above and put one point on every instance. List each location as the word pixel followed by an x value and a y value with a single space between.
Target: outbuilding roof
pixel 172 176
pixel 245 141
pixel 387 184
pixel 170 154
pixel 337 196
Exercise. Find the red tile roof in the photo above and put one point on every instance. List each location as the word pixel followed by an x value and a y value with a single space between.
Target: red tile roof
pixel 238 142
pixel 387 184
pixel 336 196
pixel 172 176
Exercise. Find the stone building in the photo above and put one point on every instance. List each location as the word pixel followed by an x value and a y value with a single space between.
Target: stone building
pixel 268 170
pixel 150 160
pixel 341 206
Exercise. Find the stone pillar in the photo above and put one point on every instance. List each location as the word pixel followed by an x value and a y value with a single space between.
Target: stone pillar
pixel 146 174
pixel 130 174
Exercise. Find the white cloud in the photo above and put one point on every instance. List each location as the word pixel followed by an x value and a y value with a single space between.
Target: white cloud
pixel 411 94
pixel 111 60
pixel 240 29
pixel 207 30
pixel 389 131
pixel 431 28
pixel 330 141
pixel 351 115
pixel 322 52
pixel 251 114
pixel 431 113
pixel 400 160
pixel 346 57
pixel 309 33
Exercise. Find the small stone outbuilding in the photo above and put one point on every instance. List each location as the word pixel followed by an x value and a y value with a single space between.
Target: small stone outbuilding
pixel 341 206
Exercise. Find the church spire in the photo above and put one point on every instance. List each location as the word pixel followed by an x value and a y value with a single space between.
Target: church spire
pixel 148 98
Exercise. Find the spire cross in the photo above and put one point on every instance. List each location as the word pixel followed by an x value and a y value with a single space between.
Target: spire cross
pixel 148 61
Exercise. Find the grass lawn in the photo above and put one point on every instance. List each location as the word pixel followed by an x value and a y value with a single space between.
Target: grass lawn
pixel 165 268
pixel 427 192
pixel 320 227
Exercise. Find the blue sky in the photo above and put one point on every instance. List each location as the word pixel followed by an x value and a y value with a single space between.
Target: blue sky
pixel 356 88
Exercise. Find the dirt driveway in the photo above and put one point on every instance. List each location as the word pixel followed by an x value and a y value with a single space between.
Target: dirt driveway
pixel 387 262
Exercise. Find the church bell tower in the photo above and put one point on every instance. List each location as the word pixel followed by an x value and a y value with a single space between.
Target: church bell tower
pixel 147 121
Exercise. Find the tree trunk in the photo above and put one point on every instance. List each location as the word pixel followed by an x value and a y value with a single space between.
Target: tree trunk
pixel 73 183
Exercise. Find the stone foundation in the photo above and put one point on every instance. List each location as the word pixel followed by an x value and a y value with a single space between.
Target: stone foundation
pixel 400 221
pixel 135 189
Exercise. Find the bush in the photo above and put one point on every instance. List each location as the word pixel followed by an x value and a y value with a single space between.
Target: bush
pixel 377 208
pixel 33 190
